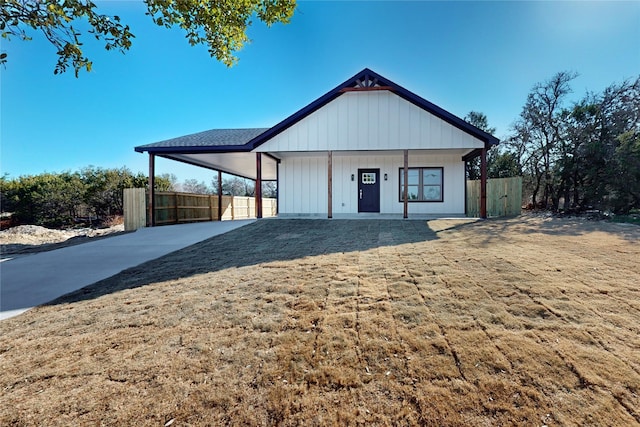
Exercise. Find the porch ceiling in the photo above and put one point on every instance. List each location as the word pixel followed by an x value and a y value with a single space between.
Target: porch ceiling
pixel 242 164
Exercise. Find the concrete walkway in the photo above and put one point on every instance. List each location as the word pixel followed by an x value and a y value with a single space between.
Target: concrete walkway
pixel 30 280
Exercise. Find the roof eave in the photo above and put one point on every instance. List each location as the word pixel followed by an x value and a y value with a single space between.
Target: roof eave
pixel 194 149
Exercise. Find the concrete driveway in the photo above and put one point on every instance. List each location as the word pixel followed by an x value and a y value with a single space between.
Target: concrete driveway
pixel 30 280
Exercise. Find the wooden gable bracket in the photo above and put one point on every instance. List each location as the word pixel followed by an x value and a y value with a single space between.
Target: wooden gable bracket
pixel 365 89
pixel 366 84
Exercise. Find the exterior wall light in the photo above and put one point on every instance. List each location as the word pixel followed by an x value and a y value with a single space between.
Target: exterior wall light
pixel 353 177
pixel 385 176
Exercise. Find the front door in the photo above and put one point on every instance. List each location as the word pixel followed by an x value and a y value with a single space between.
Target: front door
pixel 368 190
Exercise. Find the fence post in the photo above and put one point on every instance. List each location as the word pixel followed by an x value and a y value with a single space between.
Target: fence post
pixel 135 208
pixel 175 202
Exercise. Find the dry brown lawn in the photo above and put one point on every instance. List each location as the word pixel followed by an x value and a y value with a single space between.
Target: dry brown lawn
pixel 523 321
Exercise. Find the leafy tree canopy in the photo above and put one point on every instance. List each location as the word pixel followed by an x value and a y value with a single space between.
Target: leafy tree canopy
pixel 480 121
pixel 58 199
pixel 579 155
pixel 221 25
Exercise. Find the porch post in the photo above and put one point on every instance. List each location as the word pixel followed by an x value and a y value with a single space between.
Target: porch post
pixel 330 185
pixel 277 188
pixel 405 190
pixel 219 195
pixel 483 183
pixel 258 185
pixel 152 193
pixel 465 178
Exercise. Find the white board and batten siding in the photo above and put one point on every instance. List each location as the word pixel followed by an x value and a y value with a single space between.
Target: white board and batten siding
pixel 304 187
pixel 374 120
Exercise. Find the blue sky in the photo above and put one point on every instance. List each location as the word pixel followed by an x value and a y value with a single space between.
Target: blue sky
pixel 462 56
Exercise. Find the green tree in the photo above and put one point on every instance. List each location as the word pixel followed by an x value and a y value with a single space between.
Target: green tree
pixel 581 130
pixel 163 182
pixel 538 134
pixel 583 155
pixel 47 199
pixel 625 181
pixel 480 121
pixel 220 25
pixel 104 188
pixel 7 186
pixel 58 199
pixel 502 163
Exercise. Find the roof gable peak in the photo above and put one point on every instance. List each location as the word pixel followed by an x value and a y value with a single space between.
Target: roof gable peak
pixel 368 80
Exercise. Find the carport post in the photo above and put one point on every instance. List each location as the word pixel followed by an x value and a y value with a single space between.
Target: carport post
pixel 152 183
pixel 219 195
pixel 258 185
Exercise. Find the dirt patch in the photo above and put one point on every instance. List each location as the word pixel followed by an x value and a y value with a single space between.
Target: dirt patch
pixel 525 321
pixel 25 239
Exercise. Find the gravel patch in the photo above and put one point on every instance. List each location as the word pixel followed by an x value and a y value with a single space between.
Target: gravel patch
pixel 34 238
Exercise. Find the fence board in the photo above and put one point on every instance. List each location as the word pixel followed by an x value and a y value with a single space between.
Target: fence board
pixel 504 197
pixel 135 208
pixel 175 208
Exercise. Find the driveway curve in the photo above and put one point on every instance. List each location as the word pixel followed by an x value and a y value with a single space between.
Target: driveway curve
pixel 31 280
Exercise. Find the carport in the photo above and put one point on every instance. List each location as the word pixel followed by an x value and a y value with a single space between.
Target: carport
pixel 220 150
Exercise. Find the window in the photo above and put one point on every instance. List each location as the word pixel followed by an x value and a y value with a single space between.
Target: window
pixel 423 185
pixel 368 178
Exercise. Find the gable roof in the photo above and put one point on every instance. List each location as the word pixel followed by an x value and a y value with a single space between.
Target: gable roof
pixel 370 80
pixel 244 140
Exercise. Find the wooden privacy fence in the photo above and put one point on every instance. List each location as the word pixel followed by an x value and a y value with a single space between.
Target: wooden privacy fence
pixel 176 208
pixel 135 208
pixel 504 197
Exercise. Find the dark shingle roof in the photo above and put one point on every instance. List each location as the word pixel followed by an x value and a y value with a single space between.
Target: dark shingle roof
pixel 209 138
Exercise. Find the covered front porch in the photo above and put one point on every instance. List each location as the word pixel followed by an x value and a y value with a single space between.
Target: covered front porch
pixel 340 182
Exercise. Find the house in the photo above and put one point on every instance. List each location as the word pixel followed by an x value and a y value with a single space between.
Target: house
pixel 369 146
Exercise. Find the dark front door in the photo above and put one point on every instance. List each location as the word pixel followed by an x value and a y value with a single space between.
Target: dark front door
pixel 368 190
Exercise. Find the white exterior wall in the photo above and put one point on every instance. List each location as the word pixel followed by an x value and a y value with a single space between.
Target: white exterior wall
pixel 303 183
pixel 372 120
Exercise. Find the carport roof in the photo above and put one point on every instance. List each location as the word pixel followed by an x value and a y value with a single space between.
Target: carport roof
pixel 226 150
pixel 218 140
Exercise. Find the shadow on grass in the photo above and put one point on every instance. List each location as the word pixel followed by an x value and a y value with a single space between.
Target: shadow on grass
pixel 258 243
pixel 495 229
pixel 295 239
